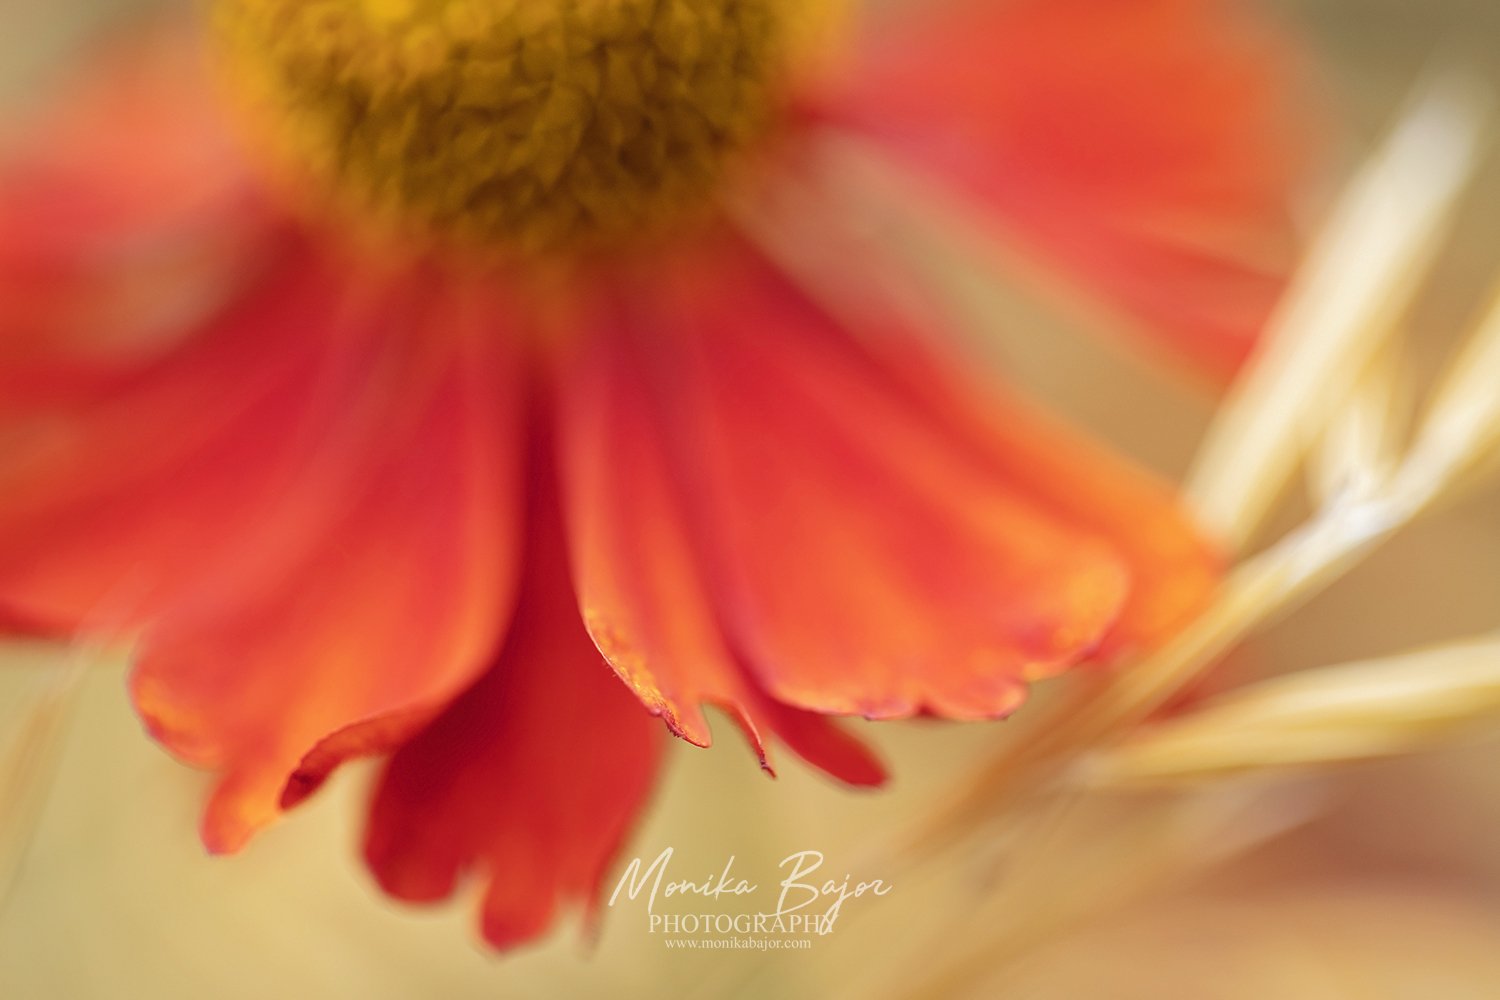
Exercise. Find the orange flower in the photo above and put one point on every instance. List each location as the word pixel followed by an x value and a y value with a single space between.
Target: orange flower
pixel 375 435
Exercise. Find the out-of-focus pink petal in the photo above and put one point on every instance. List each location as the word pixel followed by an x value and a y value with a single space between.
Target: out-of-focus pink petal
pixel 118 506
pixel 126 212
pixel 1151 148
pixel 307 514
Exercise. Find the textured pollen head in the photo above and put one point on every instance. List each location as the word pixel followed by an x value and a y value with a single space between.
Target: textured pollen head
pixel 525 123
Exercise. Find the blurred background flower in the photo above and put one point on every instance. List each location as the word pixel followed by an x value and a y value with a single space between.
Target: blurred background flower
pixel 1375 879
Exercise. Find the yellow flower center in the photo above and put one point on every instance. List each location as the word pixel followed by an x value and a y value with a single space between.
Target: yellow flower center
pixel 528 123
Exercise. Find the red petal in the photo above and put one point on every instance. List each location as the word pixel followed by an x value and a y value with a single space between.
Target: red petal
pixel 117 506
pixel 126 212
pixel 641 592
pixel 868 560
pixel 533 777
pixel 309 509
pixel 386 620
pixel 1149 147
pixel 1173 568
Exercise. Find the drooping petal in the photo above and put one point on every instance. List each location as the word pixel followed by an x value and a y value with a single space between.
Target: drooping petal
pixel 1150 148
pixel 641 591
pixel 307 514
pixel 126 213
pixel 867 558
pixel 384 622
pixel 116 506
pixel 533 778
pixel 1173 568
